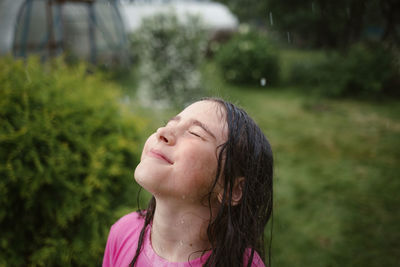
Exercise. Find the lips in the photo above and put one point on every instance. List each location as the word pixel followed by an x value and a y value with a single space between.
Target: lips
pixel 158 154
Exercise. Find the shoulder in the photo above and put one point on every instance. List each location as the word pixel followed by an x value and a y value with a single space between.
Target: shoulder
pixel 126 228
pixel 122 240
pixel 129 222
pixel 257 261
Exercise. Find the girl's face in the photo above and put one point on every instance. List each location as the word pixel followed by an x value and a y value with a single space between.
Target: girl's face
pixel 179 161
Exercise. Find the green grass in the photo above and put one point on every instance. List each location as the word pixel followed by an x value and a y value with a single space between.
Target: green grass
pixel 336 175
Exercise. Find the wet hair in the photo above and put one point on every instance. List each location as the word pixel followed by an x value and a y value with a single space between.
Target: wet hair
pixel 236 229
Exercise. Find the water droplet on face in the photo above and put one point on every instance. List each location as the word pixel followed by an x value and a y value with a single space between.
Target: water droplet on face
pixel 182 221
pixel 181 243
pixel 183 196
pixel 263 81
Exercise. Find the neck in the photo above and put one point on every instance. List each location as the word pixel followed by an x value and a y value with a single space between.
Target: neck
pixel 179 232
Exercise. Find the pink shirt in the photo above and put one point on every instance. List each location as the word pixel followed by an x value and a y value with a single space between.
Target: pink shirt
pixel 122 243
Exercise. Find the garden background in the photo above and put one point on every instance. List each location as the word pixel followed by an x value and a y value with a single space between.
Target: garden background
pixel 321 79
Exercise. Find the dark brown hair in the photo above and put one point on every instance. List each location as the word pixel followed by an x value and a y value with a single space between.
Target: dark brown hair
pixel 235 228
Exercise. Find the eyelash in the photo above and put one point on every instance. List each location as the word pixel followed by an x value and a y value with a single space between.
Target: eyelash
pixel 195 134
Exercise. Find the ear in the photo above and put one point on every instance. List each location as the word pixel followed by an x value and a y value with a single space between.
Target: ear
pixel 237 192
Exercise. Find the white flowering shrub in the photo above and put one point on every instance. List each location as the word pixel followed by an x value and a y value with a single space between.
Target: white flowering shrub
pixel 170 53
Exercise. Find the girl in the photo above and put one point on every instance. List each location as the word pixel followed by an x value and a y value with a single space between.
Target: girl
pixel 209 170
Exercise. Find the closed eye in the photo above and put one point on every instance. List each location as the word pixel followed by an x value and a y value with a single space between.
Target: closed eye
pixel 195 134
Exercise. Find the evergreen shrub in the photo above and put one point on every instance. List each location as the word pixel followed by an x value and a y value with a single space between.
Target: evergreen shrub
pixel 170 52
pixel 248 58
pixel 67 155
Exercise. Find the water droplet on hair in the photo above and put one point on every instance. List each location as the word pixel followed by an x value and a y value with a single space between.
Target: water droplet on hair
pixel 263 81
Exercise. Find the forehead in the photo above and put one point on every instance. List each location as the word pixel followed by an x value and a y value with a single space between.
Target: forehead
pixel 211 114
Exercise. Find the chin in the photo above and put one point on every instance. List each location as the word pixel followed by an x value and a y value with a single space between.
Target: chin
pixel 139 175
pixel 148 178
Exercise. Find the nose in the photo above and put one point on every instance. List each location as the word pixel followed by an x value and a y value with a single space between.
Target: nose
pixel 166 135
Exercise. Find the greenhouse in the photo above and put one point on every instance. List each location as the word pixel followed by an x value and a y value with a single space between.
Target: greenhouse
pixel 92 30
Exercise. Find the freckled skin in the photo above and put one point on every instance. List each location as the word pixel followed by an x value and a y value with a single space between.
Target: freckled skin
pixel 191 149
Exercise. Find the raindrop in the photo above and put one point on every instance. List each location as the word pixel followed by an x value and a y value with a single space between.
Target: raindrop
pixel 288 37
pixel 263 81
pixel 348 12
pixel 313 6
pixel 271 19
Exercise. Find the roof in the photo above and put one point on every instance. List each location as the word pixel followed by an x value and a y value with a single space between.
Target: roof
pixel 215 16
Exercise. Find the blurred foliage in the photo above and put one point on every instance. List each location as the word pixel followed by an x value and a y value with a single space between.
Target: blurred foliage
pixel 324 23
pixel 68 150
pixel 170 53
pixel 336 167
pixel 362 70
pixel 248 58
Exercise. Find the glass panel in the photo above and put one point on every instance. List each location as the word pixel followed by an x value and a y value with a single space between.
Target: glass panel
pixel 76 29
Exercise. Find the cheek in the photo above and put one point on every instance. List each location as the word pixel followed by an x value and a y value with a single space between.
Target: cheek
pixel 201 170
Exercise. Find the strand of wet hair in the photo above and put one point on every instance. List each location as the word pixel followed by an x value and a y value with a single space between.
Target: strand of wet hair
pixel 148 218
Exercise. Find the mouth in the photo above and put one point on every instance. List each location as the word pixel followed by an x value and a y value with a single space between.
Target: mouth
pixel 159 155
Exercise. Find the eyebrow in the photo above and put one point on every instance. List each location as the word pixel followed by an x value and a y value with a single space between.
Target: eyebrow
pixel 196 122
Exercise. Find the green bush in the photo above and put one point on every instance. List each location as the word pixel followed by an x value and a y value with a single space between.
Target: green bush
pixel 170 54
pixel 66 159
pixel 363 70
pixel 304 72
pixel 247 58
